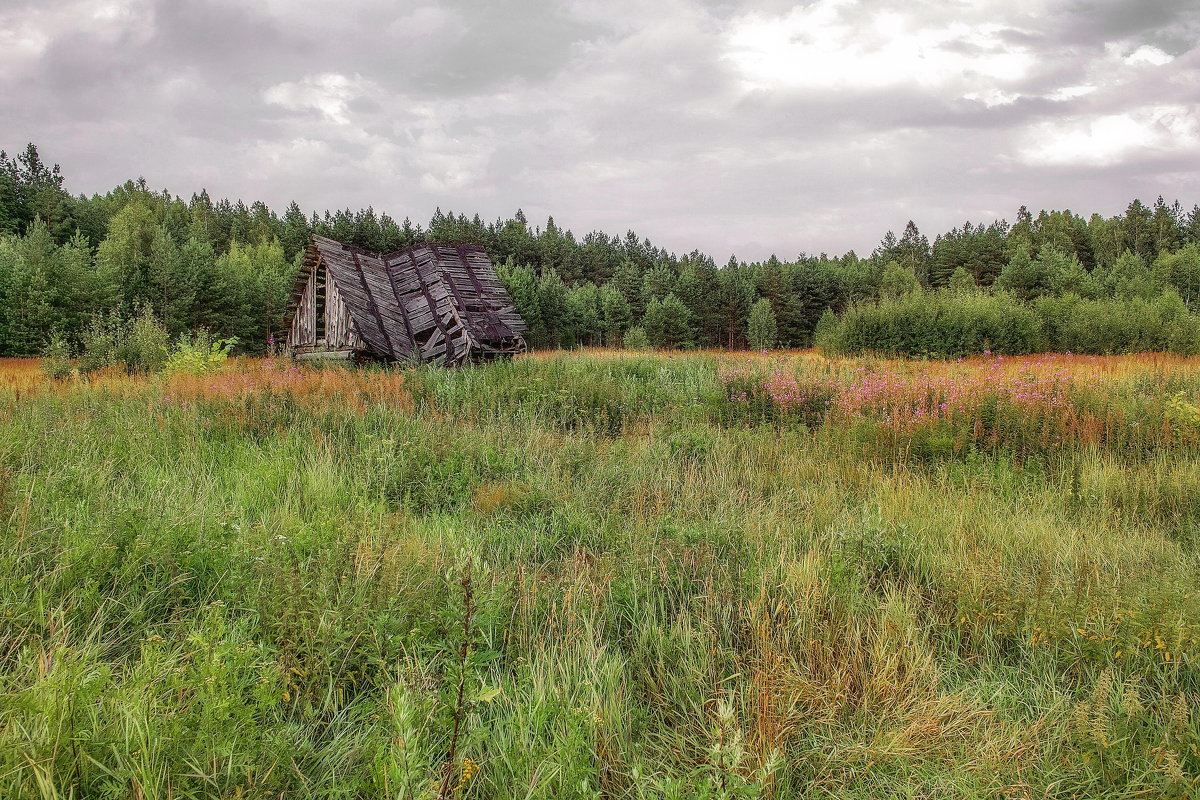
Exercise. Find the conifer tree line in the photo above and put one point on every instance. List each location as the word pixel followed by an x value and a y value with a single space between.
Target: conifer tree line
pixel 1045 281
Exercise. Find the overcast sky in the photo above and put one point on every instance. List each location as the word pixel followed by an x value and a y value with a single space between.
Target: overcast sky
pixel 738 127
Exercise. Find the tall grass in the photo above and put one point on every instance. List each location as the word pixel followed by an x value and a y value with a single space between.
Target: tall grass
pixel 253 584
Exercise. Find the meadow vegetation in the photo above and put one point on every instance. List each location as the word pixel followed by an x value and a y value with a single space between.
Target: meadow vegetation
pixel 603 575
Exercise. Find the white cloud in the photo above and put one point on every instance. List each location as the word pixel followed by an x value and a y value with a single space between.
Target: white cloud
pixel 113 11
pixel 329 93
pixel 1148 54
pixel 993 97
pixel 840 44
pixel 1112 138
pixel 1065 93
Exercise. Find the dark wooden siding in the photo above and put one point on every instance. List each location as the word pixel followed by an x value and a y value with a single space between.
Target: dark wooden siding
pixel 436 303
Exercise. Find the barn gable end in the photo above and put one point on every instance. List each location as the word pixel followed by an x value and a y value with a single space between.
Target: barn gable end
pixel 433 303
pixel 321 325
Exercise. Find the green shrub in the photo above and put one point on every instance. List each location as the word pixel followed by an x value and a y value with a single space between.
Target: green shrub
pixel 56 358
pixel 139 343
pixel 145 348
pixel 1111 326
pixel 199 353
pixel 898 281
pixel 99 341
pixel 935 325
pixel 763 331
pixel 636 339
pixel 826 335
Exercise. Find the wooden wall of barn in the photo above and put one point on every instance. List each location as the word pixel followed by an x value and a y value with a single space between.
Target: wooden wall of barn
pixel 339 326
pixel 304 326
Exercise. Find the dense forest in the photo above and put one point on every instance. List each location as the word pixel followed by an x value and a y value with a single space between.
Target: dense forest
pixel 1054 280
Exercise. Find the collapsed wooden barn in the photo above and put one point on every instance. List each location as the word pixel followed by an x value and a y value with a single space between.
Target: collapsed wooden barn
pixel 437 303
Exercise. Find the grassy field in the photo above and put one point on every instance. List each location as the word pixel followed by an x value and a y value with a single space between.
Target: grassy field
pixel 697 576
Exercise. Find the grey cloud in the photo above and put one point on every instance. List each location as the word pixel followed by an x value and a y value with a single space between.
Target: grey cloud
pixel 606 113
pixel 1111 19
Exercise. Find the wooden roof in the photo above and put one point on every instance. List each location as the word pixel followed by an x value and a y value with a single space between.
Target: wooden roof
pixel 433 302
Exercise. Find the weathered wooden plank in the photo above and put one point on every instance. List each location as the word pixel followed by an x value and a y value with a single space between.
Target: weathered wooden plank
pixel 445 299
pixel 344 354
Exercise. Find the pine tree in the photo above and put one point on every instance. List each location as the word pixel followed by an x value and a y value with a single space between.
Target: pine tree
pixel 628 281
pixel 1106 239
pixel 1025 277
pixel 1165 227
pixel 1067 276
pixel 84 287
pixel 825 335
pixel 815 285
pixel 913 252
pixel 773 285
pixel 552 297
pixel 1137 231
pixel 948 255
pixel 274 276
pixel 264 225
pixel 615 314
pixel 861 279
pixel 733 297
pixel 696 288
pixel 8 269
pixel 1020 237
pixel 514 239
pixel 887 249
pixel 658 282
pixel 637 252
pixel 583 316
pixel 174 215
pixel 395 237
pixel 961 281
pixel 203 218
pixel 234 279
pixel 11 210
pixel 598 257
pixel 1191 226
pixel 170 289
pixel 668 323
pixel 636 339
pixel 368 234
pixel 553 251
pixel 1130 277
pixel 240 225
pixel 256 280
pixel 296 231
pixel 215 297
pixel 29 291
pixel 340 227
pixel 125 252
pixel 41 194
pixel 988 253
